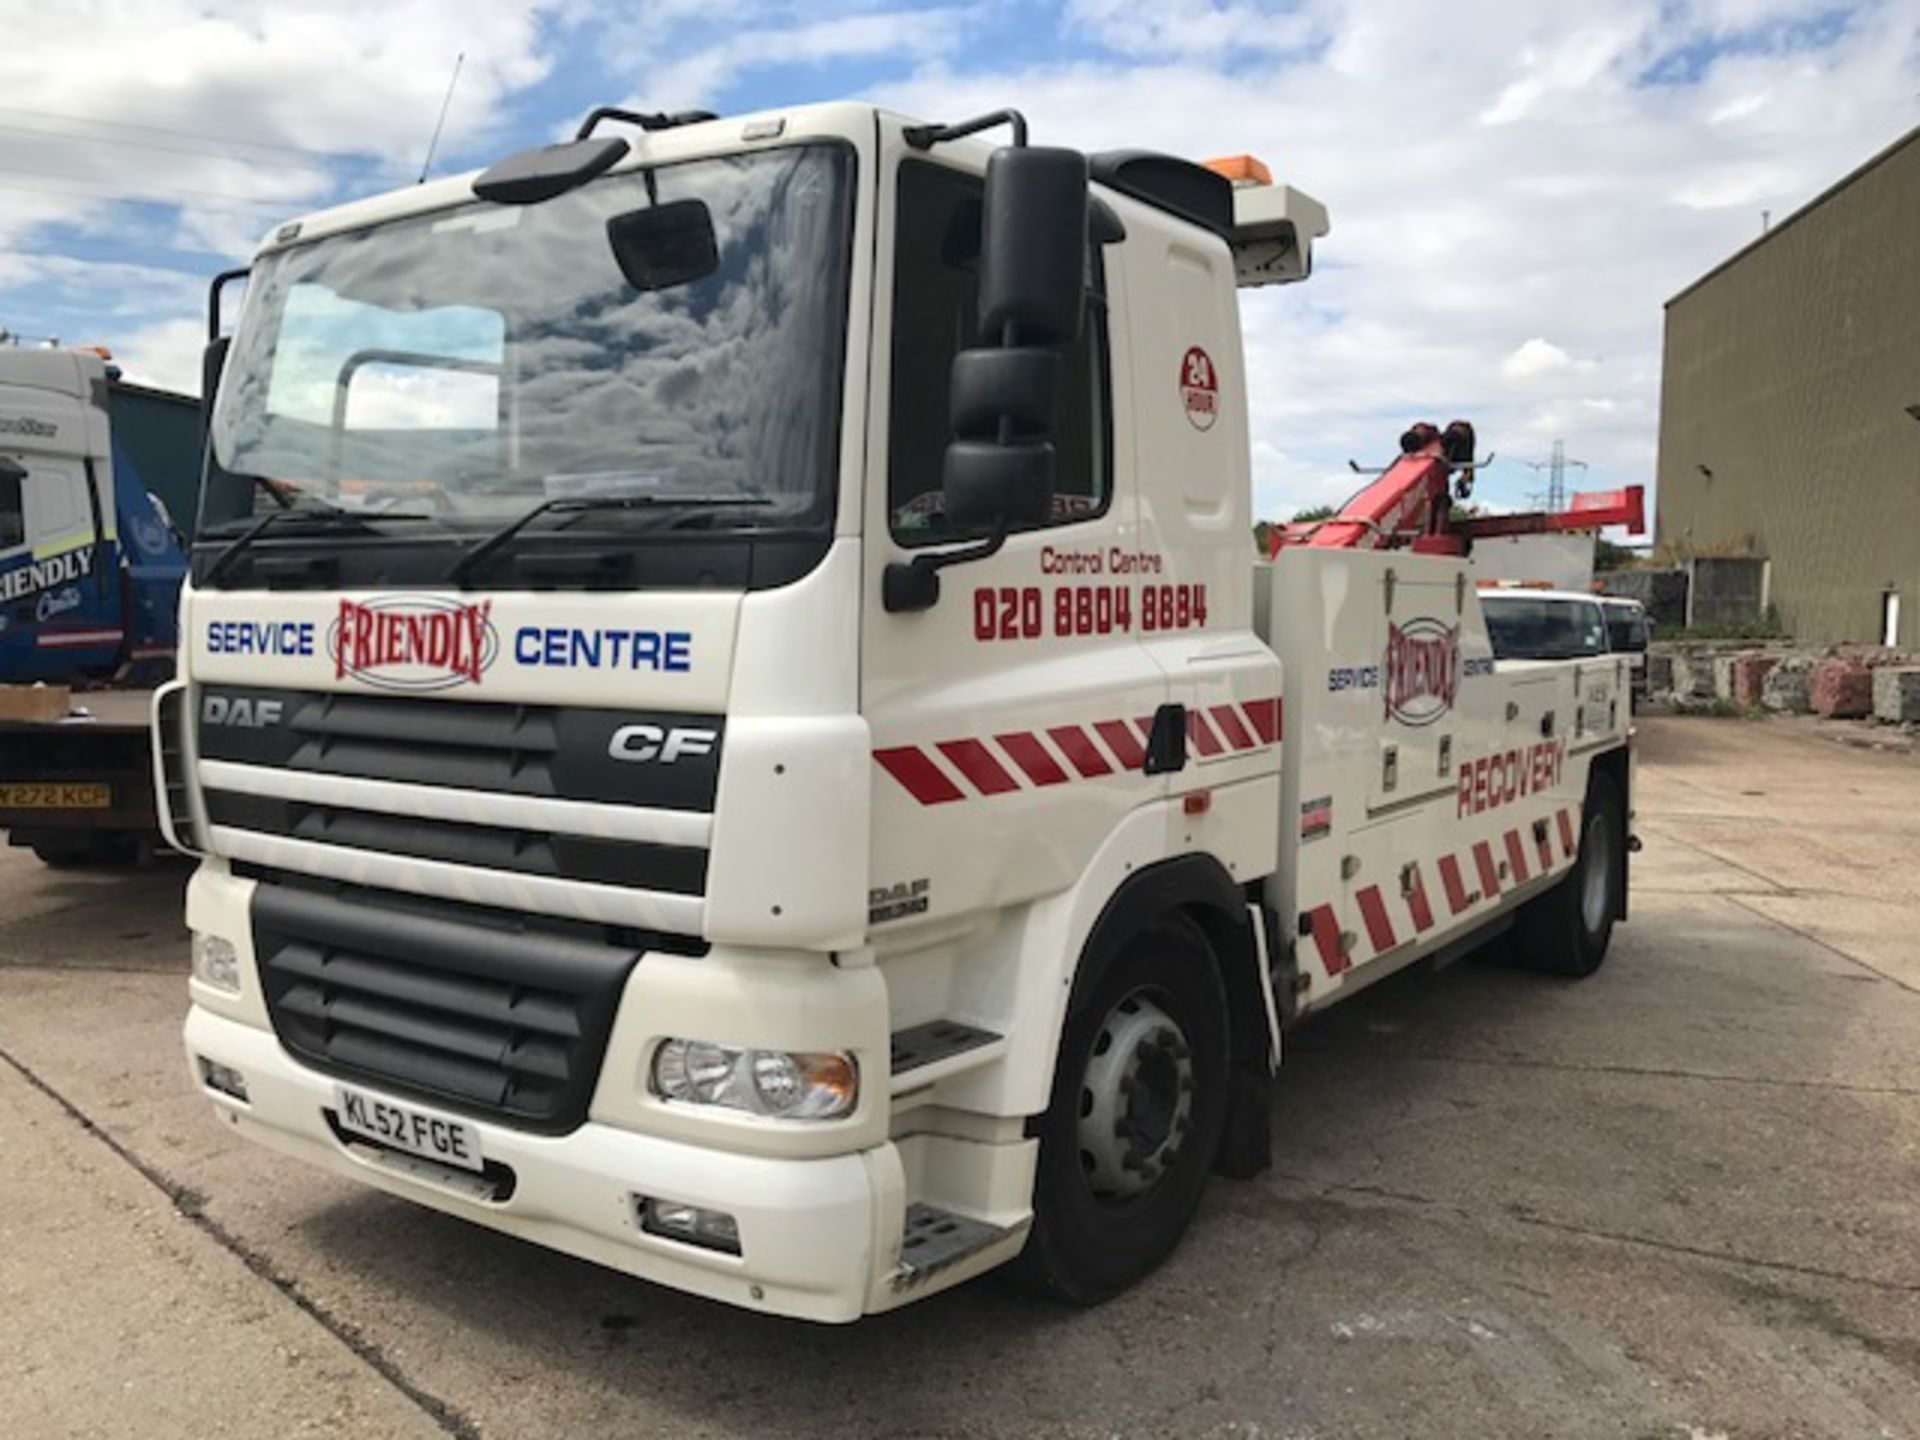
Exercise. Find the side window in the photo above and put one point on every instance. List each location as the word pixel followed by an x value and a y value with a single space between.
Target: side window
pixel 935 292
pixel 13 519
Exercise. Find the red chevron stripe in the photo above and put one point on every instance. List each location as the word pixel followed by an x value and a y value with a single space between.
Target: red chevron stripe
pixel 1373 910
pixel 1264 716
pixel 1517 858
pixel 1080 751
pixel 973 760
pixel 1031 756
pixel 1201 733
pixel 915 770
pixel 1489 874
pixel 1544 846
pixel 1125 745
pixel 1237 734
pixel 1450 881
pixel 1326 939
pixel 1417 902
pixel 1566 833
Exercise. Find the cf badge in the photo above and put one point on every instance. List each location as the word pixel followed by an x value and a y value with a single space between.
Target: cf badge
pixel 659 742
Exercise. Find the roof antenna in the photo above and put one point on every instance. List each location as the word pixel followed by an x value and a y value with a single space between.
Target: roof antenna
pixel 434 143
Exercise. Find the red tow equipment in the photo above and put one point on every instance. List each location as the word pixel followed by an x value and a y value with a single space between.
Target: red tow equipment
pixel 1409 506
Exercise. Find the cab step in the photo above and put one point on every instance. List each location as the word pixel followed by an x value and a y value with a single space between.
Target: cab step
pixel 934 1239
pixel 920 1046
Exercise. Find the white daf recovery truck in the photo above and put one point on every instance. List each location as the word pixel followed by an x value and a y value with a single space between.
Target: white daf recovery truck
pixel 732 728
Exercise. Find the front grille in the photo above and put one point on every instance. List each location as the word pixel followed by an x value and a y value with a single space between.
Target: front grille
pixel 484 1012
pixel 675 869
pixel 613 800
pixel 555 752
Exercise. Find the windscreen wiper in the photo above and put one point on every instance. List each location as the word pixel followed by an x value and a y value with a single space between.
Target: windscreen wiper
pixel 492 544
pixel 313 510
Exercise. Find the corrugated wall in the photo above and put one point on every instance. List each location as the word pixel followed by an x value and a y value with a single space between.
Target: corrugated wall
pixel 1787 375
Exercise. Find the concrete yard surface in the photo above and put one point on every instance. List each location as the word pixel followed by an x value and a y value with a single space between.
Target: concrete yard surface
pixel 1680 1199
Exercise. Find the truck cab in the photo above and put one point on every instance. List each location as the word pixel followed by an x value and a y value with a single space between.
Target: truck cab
pixel 89 562
pixel 732 725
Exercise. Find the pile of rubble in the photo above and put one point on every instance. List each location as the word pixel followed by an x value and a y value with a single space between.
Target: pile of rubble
pixel 1840 683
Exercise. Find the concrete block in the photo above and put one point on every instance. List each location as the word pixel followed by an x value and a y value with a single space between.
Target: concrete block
pixel 1693 674
pixel 1750 676
pixel 1659 673
pixel 1723 676
pixel 1896 695
pixel 1786 686
pixel 1842 689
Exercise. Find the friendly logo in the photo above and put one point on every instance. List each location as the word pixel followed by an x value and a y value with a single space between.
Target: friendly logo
pixel 413 642
pixel 1421 671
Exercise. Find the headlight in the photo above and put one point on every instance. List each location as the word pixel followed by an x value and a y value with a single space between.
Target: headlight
pixel 785 1084
pixel 216 963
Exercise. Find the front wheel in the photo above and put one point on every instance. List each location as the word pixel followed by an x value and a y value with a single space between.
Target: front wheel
pixel 1567 930
pixel 1139 1103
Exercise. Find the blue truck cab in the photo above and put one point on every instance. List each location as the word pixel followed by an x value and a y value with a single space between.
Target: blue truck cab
pixel 95 476
pixel 97 481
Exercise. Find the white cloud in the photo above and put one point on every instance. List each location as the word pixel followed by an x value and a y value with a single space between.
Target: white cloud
pixel 1460 244
pixel 193 125
pixel 1537 357
pixel 689 52
pixel 1513 198
pixel 1190 27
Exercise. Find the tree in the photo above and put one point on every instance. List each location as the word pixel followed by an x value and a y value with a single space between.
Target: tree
pixel 1609 556
pixel 1314 512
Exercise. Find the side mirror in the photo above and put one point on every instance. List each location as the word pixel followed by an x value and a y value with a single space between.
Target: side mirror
pixel 1033 247
pixel 998 470
pixel 530 176
pixel 665 245
pixel 1033 266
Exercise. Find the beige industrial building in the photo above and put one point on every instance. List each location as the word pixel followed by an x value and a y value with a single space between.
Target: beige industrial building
pixel 1790 409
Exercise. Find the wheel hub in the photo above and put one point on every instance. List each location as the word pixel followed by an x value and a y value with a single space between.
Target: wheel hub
pixel 1136 1099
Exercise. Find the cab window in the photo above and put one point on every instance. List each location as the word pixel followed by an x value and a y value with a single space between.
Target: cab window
pixel 935 315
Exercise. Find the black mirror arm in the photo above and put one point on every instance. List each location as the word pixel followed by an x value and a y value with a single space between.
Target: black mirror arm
pixel 647 120
pixel 915 584
pixel 925 137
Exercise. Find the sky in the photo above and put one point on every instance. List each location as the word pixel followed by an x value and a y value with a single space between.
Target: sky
pixel 1516 186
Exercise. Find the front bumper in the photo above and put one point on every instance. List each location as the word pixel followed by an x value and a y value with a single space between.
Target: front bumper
pixel 819 1237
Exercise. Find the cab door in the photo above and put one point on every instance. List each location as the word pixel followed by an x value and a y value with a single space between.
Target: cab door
pixel 58 604
pixel 1010 718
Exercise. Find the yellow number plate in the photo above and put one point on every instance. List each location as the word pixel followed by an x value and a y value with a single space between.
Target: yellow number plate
pixel 55 797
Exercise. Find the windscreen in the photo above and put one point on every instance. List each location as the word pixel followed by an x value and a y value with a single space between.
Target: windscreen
pixel 669 334
pixel 1542 628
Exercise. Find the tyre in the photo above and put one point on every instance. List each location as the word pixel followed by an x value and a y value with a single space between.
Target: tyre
pixel 1139 1103
pixel 1566 931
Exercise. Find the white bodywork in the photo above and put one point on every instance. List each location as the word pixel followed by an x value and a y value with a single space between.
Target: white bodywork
pixel 1564 561
pixel 53 420
pixel 921 815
